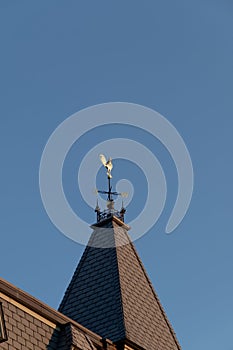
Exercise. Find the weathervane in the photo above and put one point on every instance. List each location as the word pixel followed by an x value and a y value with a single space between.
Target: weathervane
pixel 110 205
pixel 108 165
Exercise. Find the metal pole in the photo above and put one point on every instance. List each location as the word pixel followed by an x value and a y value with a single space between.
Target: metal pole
pixel 109 189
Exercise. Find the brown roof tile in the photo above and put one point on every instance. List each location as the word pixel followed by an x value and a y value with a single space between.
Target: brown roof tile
pixel 31 330
pixel 71 337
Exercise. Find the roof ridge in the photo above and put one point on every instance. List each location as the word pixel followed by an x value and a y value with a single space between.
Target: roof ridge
pixel 155 295
pixel 122 304
pixel 119 281
pixel 119 286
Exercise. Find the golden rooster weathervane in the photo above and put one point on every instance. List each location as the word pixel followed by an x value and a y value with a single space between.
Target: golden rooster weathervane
pixel 108 165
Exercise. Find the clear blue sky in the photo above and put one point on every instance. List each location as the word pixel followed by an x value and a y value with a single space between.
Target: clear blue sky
pixel 176 57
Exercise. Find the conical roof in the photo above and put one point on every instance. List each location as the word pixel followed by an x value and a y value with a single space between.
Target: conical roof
pixel 111 294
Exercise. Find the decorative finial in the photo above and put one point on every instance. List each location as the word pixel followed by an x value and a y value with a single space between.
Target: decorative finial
pixel 97 210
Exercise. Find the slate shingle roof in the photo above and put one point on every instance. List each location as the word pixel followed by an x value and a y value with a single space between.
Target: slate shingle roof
pixel 111 294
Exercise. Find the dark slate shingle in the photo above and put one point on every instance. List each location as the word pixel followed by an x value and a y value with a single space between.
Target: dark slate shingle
pixel 111 294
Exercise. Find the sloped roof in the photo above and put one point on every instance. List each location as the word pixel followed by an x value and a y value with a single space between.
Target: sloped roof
pixel 68 334
pixel 111 294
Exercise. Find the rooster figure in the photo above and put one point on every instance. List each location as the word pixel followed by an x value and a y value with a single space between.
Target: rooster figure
pixel 108 165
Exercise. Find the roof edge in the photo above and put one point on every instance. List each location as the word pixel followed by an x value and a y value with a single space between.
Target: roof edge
pixel 111 218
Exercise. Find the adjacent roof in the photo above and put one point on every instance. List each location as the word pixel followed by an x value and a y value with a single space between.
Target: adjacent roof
pixel 68 335
pixel 111 294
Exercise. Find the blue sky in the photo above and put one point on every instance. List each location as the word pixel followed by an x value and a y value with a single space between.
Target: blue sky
pixel 58 57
